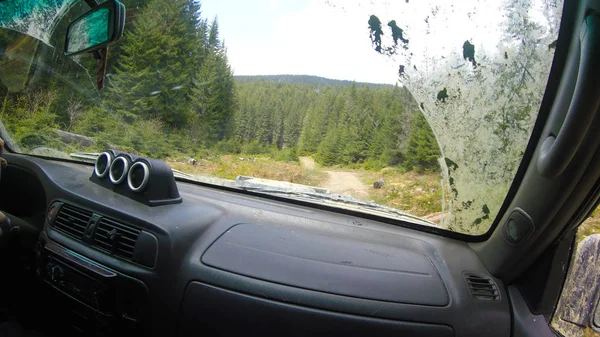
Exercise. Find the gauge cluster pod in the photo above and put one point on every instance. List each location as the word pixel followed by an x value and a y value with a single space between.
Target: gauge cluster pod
pixel 148 181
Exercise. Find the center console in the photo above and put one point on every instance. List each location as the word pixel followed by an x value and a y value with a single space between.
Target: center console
pixel 98 300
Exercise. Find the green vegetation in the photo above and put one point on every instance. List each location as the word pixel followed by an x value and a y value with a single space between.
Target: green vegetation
pixel 417 194
pixel 423 152
pixel 169 87
pixel 229 167
pixel 342 125
pixel 170 94
pixel 306 79
pixel 590 226
pixel 30 117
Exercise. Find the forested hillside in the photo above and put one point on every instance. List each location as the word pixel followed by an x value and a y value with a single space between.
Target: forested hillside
pixel 340 124
pixel 305 79
pixel 170 91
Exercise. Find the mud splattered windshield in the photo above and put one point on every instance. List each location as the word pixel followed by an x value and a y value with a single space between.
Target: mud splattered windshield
pixel 418 110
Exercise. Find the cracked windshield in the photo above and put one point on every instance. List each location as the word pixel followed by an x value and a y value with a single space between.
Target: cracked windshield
pixel 412 110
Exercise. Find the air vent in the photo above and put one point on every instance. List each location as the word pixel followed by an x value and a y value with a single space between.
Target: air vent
pixel 72 221
pixel 116 238
pixel 482 287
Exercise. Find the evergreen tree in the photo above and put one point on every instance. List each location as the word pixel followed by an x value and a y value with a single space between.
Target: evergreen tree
pixel 365 123
pixel 213 35
pixel 212 97
pixel 423 150
pixel 329 149
pixel 154 73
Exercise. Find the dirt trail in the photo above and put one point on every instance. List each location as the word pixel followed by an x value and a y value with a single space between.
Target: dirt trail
pixel 308 163
pixel 346 183
pixel 340 182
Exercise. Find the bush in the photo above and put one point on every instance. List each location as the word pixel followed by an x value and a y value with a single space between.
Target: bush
pixel 201 153
pixel 149 138
pixel 374 164
pixel 96 120
pixel 228 147
pixel 392 157
pixel 145 137
pixel 29 120
pixel 180 142
pixel 254 148
pixel 106 127
pixel 287 154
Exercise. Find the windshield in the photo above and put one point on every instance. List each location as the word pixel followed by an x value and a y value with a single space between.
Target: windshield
pixel 418 110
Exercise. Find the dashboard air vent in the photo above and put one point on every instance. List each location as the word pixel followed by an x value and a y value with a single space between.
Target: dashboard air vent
pixel 116 238
pixel 482 287
pixel 72 221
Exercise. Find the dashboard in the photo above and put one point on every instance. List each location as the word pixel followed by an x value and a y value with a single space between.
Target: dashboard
pixel 221 262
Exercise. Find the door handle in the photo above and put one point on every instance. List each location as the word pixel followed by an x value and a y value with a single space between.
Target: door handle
pixel 558 151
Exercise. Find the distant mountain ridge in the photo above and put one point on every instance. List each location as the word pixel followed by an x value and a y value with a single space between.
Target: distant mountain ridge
pixel 305 79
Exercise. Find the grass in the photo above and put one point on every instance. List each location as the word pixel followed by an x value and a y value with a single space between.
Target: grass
pixel 417 194
pixel 590 226
pixel 230 166
pixel 588 332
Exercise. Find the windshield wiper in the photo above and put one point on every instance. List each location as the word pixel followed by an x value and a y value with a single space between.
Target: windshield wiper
pixel 336 198
pixel 89 157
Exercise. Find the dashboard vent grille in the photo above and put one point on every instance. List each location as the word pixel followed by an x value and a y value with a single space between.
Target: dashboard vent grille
pixel 116 238
pixel 482 287
pixel 72 221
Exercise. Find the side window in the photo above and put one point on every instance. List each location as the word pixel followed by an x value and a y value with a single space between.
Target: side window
pixel 577 313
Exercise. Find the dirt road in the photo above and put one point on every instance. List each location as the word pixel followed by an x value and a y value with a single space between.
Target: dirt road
pixel 346 183
pixel 340 182
pixel 308 163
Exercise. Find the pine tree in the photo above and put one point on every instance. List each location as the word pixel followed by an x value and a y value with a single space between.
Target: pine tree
pixel 341 125
pixel 422 151
pixel 329 149
pixel 212 97
pixel 317 121
pixel 153 76
pixel 213 35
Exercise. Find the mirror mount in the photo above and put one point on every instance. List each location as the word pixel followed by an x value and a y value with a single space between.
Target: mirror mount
pixel 94 31
pixel 91 3
pixel 100 55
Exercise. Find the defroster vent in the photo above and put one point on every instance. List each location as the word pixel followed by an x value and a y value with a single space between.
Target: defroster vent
pixel 482 287
pixel 72 221
pixel 116 238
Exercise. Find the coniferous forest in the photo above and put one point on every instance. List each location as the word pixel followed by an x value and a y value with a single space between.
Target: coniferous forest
pixel 170 91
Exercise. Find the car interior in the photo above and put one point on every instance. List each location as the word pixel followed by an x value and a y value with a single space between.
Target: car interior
pixel 122 247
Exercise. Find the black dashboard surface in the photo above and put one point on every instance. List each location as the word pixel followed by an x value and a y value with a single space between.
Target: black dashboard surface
pixel 324 263
pixel 221 249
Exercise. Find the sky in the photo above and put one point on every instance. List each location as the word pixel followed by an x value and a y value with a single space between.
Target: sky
pixel 302 37
pixel 330 38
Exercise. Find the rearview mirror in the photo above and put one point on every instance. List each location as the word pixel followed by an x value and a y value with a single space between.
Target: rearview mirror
pixel 98 28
